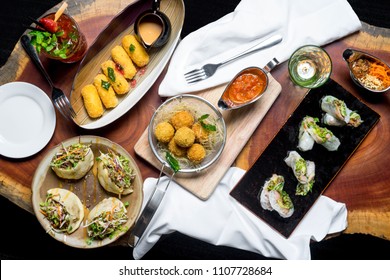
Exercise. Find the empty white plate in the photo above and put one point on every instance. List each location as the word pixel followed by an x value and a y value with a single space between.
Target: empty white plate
pixel 27 119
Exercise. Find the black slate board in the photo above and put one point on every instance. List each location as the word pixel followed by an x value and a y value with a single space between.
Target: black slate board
pixel 328 164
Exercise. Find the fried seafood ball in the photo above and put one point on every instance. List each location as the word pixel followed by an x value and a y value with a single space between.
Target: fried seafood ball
pixel 184 137
pixel 164 132
pixel 201 134
pixel 196 153
pixel 182 118
pixel 176 149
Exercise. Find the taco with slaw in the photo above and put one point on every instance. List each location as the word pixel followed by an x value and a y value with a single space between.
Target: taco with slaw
pixel 63 209
pixel 73 161
pixel 115 173
pixel 107 219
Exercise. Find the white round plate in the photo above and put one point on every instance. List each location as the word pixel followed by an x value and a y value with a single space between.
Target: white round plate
pixel 27 119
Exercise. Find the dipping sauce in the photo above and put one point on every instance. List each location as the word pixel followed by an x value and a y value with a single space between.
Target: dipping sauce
pixel 371 73
pixel 245 87
pixel 150 29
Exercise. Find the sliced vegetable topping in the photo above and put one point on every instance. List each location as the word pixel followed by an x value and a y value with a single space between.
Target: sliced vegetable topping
pixel 119 170
pixel 107 224
pixel 57 214
pixel 69 157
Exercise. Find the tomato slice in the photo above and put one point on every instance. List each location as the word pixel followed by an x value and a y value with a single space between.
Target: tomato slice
pixel 49 24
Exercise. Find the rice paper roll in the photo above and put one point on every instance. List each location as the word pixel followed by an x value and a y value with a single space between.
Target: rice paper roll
pixel 270 184
pixel 355 119
pixel 107 218
pixel 115 173
pixel 321 135
pixel 305 141
pixel 117 80
pixel 121 58
pixel 328 119
pixel 273 197
pixel 281 203
pixel 72 162
pixel 304 172
pixel 105 91
pixel 336 108
pixel 339 110
pixel 63 209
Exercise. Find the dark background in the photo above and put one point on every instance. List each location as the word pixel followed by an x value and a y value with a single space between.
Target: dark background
pixel 22 237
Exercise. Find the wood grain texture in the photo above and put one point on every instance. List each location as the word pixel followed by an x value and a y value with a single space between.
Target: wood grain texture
pixel 363 184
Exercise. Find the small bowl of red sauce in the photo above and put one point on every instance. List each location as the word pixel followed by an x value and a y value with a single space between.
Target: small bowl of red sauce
pixel 368 71
pixel 245 88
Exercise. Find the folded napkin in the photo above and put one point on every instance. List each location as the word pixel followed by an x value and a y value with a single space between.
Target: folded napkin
pixel 221 220
pixel 300 22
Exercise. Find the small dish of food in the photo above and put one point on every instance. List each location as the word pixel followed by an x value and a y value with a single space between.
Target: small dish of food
pixel 246 87
pixel 189 130
pixel 118 70
pixel 368 71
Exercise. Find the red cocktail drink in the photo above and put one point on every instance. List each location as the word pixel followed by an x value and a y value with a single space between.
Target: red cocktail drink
pixel 65 41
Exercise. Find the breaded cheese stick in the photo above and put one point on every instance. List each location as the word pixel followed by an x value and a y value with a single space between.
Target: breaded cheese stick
pixel 121 58
pixel 105 91
pixel 135 50
pixel 92 101
pixel 118 82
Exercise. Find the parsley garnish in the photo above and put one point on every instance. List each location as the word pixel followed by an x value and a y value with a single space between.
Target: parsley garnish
pixel 111 73
pixel 106 85
pixel 206 126
pixel 132 48
pixel 49 42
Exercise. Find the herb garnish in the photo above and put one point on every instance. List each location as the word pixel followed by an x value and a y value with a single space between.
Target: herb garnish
pixel 106 85
pixel 132 48
pixel 111 74
pixel 173 163
pixel 206 126
pixel 49 42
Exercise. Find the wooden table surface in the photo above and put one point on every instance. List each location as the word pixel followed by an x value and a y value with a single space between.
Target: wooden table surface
pixel 363 184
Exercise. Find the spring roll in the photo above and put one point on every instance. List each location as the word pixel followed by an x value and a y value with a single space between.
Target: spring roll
pixel 92 101
pixel 105 91
pixel 121 58
pixel 118 82
pixel 135 50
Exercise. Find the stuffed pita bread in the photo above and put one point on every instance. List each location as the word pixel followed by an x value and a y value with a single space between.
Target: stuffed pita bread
pixel 114 173
pixel 63 209
pixel 73 162
pixel 107 218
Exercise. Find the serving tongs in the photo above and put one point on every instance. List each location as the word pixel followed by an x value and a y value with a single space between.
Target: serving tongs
pixel 150 207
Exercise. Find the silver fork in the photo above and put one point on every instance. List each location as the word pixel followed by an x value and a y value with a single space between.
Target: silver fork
pixel 208 70
pixel 57 95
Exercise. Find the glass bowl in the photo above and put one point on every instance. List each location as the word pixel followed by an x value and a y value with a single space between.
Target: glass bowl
pixel 202 111
pixel 310 66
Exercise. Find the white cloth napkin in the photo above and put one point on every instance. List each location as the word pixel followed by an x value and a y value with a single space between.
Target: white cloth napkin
pixel 300 22
pixel 221 220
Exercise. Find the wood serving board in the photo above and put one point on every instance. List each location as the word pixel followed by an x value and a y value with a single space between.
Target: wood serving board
pixel 240 125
